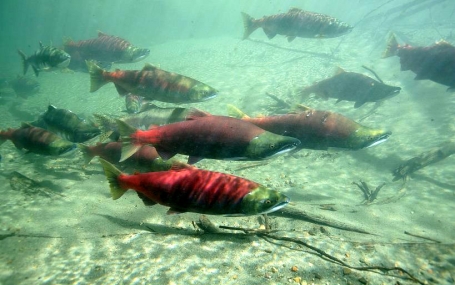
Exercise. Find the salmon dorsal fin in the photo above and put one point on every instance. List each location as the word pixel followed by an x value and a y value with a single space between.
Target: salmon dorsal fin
pixel 51 107
pixel 149 67
pixel 339 70
pixel 295 10
pixel 443 43
pixel 41 45
pixel 25 125
pixel 101 34
pixel 196 113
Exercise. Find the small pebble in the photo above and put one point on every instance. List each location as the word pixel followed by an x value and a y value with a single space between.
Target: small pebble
pixel 363 280
pixel 347 271
pixel 294 268
pixel 274 270
pixel 297 279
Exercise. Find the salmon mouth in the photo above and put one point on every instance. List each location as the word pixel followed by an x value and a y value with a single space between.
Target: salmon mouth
pixel 379 140
pixel 277 206
pixel 210 96
pixel 65 62
pixel 284 149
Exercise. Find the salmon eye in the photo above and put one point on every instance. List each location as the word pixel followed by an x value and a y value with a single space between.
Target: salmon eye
pixel 272 146
pixel 267 202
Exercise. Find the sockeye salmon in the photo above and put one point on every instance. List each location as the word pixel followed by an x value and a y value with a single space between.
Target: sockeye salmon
pixel 152 83
pixel 153 115
pixel 296 23
pixel 36 140
pixel 214 137
pixel 67 124
pixel 145 159
pixel 435 63
pixel 317 129
pixel 105 49
pixel 196 190
pixel 351 86
pixel 46 58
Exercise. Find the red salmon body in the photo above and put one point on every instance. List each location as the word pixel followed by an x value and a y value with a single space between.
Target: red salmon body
pixel 197 190
pixel 215 137
pixel 318 129
pixel 192 190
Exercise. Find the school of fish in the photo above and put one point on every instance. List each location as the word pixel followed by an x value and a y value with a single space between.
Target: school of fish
pixel 146 140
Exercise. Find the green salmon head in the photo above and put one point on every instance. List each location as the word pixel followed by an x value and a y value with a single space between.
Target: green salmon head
pixel 269 144
pixel 61 146
pixel 134 54
pixel 262 201
pixel 58 58
pixel 201 92
pixel 365 137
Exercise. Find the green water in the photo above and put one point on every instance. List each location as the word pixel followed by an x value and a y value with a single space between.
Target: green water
pixel 65 228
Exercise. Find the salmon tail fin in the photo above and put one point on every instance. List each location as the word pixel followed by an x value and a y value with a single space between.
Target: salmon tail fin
pixel 392 47
pixel 249 24
pixel 86 153
pixel 128 146
pixel 112 175
pixel 235 112
pixel 25 63
pixel 97 79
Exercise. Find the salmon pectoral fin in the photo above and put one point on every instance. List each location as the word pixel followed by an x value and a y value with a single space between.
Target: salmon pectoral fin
pixel 147 201
pixel 121 91
pixel 128 150
pixel 112 175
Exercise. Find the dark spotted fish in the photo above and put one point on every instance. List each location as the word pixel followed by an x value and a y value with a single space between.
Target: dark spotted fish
pixel 47 57
pixel 67 124
pixel 435 63
pixel 36 140
pixel 296 23
pixel 105 49
pixel 152 83
pixel 351 86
